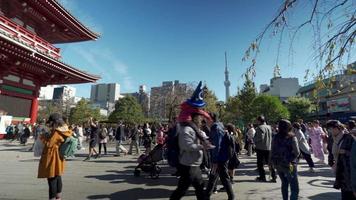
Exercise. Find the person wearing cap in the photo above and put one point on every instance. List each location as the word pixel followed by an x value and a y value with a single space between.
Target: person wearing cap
pixel 341 150
pixel 51 165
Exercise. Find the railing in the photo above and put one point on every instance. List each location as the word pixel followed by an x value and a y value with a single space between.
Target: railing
pixel 18 32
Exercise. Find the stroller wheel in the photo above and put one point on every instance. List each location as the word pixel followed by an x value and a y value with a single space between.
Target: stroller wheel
pixel 137 173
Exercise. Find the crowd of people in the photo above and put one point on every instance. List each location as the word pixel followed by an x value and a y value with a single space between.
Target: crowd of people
pixel 206 145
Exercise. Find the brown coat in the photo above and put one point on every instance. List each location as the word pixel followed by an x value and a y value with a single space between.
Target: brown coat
pixel 51 164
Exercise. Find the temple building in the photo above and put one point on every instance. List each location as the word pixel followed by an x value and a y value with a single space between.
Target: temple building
pixel 28 58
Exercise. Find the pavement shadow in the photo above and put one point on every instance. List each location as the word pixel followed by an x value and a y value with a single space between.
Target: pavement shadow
pixel 321 183
pixel 325 172
pixel 30 160
pixel 135 194
pixel 25 149
pixel 326 196
pixel 127 176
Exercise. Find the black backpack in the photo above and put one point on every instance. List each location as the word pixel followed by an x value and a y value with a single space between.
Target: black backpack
pixel 172 147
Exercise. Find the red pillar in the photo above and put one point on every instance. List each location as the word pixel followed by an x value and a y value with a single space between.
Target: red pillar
pixel 34 110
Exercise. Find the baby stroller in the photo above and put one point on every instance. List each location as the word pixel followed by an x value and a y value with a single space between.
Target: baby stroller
pixel 148 163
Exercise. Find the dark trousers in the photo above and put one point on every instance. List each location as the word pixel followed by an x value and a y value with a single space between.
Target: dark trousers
pixel 104 144
pixel 222 173
pixel 190 175
pixel 55 186
pixel 289 178
pixel 262 159
pixel 308 158
pixel 347 195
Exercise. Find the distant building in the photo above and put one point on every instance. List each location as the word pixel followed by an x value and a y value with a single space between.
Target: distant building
pixel 143 98
pixel 338 99
pixel 165 99
pixel 281 87
pixel 105 95
pixel 46 93
pixel 64 93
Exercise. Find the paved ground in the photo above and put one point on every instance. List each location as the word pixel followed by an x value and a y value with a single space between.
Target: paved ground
pixel 112 178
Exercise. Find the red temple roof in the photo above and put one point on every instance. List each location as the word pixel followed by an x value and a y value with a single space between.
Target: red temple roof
pixel 49 19
pixel 20 58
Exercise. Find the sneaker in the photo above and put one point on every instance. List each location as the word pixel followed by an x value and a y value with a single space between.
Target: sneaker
pixel 259 179
pixel 86 159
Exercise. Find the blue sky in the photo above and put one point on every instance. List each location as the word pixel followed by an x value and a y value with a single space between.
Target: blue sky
pixel 150 41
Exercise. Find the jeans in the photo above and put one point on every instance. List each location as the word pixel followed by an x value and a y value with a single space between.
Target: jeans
pixel 55 186
pixel 262 159
pixel 190 175
pixel 222 172
pixel 289 178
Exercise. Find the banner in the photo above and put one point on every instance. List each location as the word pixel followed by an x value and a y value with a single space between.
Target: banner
pixel 339 105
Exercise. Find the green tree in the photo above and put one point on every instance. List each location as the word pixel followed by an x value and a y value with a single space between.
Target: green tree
pixel 82 112
pixel 232 113
pixel 270 107
pixel 245 99
pixel 211 101
pixel 298 107
pixel 128 110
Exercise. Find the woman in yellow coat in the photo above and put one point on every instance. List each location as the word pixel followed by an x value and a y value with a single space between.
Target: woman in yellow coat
pixel 51 164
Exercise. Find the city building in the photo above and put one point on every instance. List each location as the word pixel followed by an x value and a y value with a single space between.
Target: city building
pixel 281 87
pixel 46 93
pixel 336 99
pixel 165 99
pixel 143 98
pixel 64 93
pixel 28 58
pixel 105 95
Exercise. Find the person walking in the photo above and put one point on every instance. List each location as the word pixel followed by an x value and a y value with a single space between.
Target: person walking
pixel 263 141
pixel 220 158
pixel 250 135
pixel 103 138
pixel 353 166
pixel 303 146
pixel 315 135
pixel 51 165
pixel 120 132
pixel 191 144
pixel 94 131
pixel 80 137
pixel 234 161
pixel 284 154
pixel 341 151
pixel 134 140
